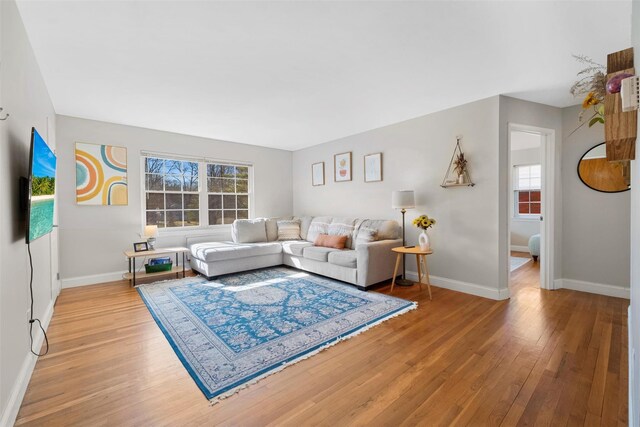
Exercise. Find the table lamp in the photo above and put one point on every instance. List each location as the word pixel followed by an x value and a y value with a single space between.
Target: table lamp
pixel 151 232
pixel 403 200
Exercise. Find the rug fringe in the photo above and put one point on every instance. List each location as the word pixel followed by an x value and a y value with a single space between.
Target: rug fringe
pixel 365 328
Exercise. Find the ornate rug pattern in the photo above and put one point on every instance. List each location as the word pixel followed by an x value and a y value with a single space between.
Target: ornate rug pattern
pixel 233 331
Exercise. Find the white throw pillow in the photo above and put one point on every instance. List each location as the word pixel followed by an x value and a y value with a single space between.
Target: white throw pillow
pixel 289 229
pixel 249 231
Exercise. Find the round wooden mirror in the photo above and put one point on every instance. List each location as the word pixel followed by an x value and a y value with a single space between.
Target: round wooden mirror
pixel 599 174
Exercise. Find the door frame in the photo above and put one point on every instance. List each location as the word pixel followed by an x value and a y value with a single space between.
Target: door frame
pixel 547 225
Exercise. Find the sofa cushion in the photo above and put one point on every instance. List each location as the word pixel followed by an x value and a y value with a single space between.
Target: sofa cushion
pixel 343 258
pixel 305 222
pixel 289 229
pixel 366 235
pixel 386 229
pixel 221 251
pixel 249 230
pixel 319 225
pixel 343 227
pixel 271 226
pixel 295 247
pixel 318 253
pixel 327 241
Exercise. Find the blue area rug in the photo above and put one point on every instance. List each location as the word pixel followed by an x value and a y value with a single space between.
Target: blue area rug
pixel 233 331
pixel 517 262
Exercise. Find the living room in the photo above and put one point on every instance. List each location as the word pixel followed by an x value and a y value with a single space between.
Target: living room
pixel 290 91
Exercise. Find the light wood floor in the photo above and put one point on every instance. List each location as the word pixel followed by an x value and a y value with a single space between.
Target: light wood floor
pixel 543 357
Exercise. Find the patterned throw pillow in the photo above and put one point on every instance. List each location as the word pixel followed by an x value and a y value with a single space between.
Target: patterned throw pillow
pixel 289 229
pixel 366 235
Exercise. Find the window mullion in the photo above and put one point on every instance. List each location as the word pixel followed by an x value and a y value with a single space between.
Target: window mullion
pixel 202 191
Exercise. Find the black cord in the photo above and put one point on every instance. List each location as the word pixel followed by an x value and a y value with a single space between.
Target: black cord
pixel 32 320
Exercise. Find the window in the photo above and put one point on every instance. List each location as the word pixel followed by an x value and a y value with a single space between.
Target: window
pixel 228 193
pixel 193 193
pixel 527 190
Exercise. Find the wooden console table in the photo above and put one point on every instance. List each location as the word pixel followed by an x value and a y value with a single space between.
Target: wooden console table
pixel 176 269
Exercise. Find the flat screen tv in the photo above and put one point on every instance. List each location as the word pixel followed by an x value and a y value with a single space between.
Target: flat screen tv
pixel 41 188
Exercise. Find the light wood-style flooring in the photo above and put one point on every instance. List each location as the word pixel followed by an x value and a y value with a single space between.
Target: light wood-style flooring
pixel 542 357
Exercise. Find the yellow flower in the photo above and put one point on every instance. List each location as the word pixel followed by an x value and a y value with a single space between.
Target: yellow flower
pixel 590 100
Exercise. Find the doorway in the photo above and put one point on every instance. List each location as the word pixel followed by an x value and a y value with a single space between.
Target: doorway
pixel 530 235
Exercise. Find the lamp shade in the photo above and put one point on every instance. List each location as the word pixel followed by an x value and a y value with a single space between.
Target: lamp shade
pixel 151 231
pixel 403 199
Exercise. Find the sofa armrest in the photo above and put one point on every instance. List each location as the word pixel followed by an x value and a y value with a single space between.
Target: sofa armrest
pixel 376 261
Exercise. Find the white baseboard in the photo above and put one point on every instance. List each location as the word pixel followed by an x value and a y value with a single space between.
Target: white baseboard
pixel 466 287
pixel 593 288
pixel 19 388
pixel 93 279
pixel 517 248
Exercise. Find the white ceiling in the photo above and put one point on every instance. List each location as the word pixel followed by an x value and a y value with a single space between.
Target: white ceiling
pixel 295 74
pixel 525 140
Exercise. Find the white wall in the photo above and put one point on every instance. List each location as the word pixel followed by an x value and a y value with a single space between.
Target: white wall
pixel 416 154
pixel 108 230
pixel 595 225
pixel 523 229
pixel 24 96
pixel 634 318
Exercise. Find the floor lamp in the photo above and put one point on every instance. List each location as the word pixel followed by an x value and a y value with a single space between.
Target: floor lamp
pixel 403 200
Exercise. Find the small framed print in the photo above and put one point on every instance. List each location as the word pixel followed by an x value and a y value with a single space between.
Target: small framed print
pixel 373 167
pixel 140 247
pixel 317 174
pixel 342 167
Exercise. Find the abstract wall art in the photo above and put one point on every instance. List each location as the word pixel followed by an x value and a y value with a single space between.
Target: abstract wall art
pixel 101 175
pixel 342 167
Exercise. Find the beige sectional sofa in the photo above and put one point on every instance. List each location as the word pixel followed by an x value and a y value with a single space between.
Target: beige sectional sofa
pixel 367 258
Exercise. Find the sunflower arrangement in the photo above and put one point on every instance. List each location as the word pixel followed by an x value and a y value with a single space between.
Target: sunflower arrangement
pixel 591 84
pixel 424 222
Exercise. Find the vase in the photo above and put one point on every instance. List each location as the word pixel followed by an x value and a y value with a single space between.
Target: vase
pixel 461 178
pixel 423 240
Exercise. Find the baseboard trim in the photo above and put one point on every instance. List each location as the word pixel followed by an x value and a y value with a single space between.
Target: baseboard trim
pixel 593 288
pixel 517 248
pixel 19 388
pixel 95 279
pixel 466 287
pixel 92 279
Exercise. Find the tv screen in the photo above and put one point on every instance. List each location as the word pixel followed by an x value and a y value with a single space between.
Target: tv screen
pixel 42 187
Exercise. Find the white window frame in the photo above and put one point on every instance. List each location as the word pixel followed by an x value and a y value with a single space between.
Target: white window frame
pixel 202 190
pixel 516 190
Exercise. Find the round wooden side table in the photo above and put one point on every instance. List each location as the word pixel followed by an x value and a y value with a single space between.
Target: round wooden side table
pixel 421 261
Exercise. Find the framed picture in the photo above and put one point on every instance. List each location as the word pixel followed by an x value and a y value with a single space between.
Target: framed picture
pixel 342 167
pixel 140 247
pixel 317 174
pixel 373 167
pixel 101 175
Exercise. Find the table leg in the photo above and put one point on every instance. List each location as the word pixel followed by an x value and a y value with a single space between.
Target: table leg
pixel 419 272
pixel 395 271
pixel 177 274
pixel 133 260
pixel 183 270
pixel 129 259
pixel 426 271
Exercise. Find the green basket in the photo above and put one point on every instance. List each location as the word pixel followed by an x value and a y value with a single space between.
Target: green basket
pixel 158 268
